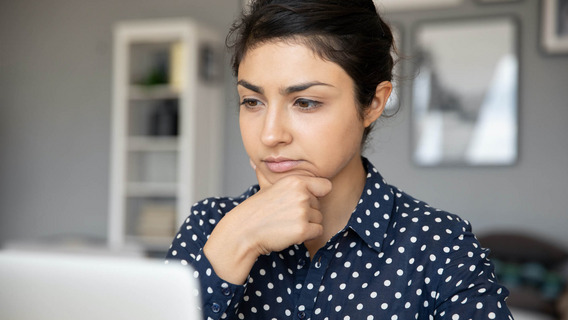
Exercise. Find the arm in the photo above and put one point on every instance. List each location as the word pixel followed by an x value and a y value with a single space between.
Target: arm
pixel 468 288
pixel 187 249
pixel 276 217
pixel 273 219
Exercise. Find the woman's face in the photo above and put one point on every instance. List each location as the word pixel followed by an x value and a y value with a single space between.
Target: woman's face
pixel 298 112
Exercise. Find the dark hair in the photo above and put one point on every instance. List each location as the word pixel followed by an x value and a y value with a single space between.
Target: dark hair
pixel 350 33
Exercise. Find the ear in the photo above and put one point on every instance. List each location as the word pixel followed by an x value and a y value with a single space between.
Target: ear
pixel 382 94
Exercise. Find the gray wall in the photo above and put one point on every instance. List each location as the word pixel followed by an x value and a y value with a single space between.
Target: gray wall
pixel 55 108
pixel 55 95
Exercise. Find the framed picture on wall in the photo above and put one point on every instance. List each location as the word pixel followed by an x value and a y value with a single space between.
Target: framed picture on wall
pixel 464 98
pixel 554 26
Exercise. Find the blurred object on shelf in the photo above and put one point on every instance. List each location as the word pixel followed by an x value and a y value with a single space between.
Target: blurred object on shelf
pixel 157 220
pixel 178 66
pixel 164 118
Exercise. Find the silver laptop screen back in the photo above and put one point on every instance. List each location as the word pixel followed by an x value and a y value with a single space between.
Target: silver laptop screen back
pixel 41 286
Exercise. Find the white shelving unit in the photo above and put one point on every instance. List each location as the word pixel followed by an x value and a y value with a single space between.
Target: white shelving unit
pixel 166 129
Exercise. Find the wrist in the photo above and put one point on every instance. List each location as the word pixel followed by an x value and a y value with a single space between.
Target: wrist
pixel 232 254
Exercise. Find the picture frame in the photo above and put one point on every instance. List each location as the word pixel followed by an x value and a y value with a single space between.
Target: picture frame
pixel 464 109
pixel 554 26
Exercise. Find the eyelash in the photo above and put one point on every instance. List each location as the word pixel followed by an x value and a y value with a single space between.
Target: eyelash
pixel 312 104
pixel 246 102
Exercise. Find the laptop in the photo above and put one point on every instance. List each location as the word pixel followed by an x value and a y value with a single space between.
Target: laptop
pixel 63 286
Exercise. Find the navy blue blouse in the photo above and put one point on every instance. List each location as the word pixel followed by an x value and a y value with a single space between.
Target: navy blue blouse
pixel 397 258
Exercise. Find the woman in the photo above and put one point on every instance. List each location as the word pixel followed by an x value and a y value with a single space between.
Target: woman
pixel 323 236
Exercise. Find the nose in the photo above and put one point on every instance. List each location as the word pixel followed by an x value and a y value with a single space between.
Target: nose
pixel 276 130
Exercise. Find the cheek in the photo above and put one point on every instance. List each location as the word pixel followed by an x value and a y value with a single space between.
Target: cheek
pixel 247 134
pixel 345 129
pixel 336 139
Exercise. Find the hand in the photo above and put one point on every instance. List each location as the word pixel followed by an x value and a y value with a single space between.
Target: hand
pixel 286 212
pixel 279 215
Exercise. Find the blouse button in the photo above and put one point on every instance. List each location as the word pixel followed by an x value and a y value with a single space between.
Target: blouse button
pixel 226 291
pixel 317 264
pixel 215 307
pixel 301 314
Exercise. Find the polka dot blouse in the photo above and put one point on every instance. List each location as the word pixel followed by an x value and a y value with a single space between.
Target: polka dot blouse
pixel 397 258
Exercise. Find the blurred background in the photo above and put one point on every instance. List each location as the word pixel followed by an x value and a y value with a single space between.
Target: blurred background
pixel 59 170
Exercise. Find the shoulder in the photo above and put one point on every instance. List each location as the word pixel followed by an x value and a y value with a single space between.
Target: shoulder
pixel 410 222
pixel 426 231
pixel 221 205
pixel 412 214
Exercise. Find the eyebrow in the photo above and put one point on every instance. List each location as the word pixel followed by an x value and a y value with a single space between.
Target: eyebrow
pixel 285 91
pixel 250 86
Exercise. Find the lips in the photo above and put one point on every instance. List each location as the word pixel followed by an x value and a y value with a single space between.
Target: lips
pixel 279 164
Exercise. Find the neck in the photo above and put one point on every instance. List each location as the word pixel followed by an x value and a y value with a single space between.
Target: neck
pixel 338 205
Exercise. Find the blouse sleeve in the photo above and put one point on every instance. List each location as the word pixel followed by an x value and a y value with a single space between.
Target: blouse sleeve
pixel 468 288
pixel 218 296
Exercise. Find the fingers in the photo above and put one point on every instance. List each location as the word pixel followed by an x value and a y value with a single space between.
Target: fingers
pixel 319 187
pixel 313 231
pixel 315 216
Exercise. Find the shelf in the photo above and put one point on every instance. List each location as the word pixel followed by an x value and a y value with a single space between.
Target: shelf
pixel 152 92
pixel 166 144
pixel 151 189
pixel 148 143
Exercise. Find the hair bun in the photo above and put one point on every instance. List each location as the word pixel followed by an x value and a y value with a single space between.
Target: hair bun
pixel 365 4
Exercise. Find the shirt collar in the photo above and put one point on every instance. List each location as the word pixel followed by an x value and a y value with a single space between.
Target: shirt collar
pixel 371 217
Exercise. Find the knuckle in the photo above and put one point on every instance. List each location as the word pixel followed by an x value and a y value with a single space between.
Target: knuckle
pixel 303 215
pixel 303 229
pixel 295 181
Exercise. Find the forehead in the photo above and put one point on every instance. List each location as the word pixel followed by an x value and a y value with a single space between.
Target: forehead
pixel 288 61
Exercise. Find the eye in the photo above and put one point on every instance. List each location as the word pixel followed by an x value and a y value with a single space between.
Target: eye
pixel 250 103
pixel 307 104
